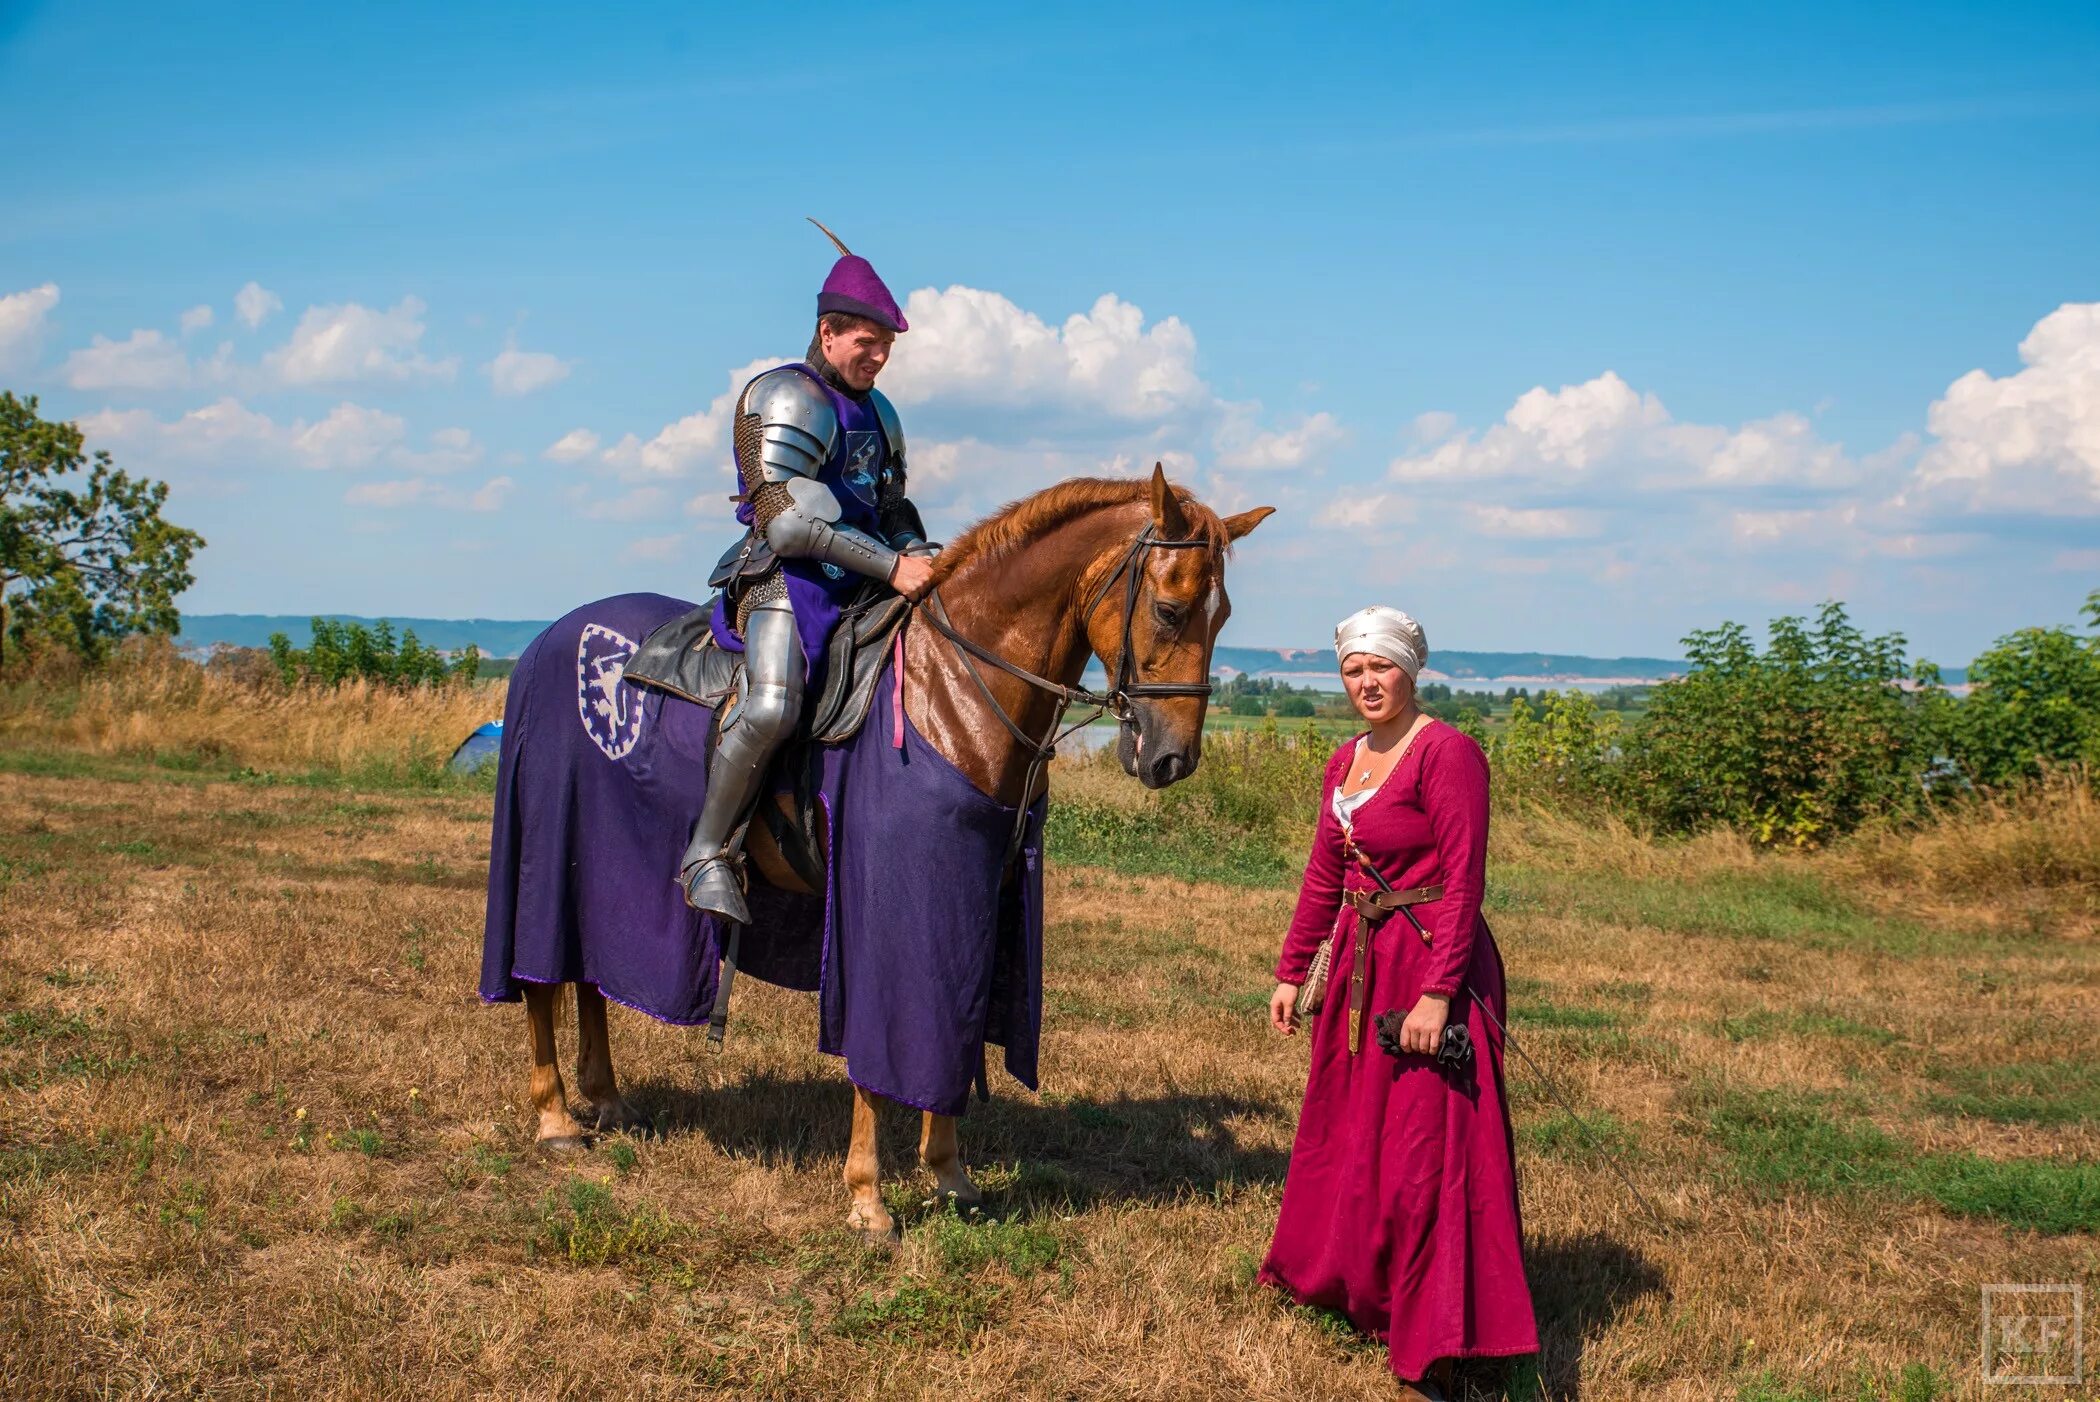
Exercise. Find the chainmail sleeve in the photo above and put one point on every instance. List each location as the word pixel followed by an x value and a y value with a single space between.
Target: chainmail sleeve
pixel 768 499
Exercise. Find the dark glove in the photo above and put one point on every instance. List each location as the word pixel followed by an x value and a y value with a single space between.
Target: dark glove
pixel 1454 1051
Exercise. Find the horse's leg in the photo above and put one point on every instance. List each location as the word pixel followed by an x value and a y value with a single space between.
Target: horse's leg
pixel 867 1215
pixel 595 1081
pixel 558 1130
pixel 938 1151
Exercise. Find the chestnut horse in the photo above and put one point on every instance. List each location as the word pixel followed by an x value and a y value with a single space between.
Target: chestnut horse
pixel 1130 572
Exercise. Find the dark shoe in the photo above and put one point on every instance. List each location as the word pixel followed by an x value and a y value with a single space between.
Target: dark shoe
pixel 715 885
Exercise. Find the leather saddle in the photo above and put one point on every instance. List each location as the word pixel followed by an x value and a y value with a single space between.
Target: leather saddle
pixel 682 657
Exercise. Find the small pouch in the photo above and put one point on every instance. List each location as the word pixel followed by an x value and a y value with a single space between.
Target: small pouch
pixel 1313 992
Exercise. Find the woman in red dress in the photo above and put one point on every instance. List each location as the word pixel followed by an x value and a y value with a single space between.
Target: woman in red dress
pixel 1400 1206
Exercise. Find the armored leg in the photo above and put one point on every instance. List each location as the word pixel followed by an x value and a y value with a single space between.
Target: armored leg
pixel 765 716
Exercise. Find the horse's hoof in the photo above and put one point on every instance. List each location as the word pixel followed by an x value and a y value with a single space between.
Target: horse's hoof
pixel 962 1199
pixel 616 1118
pixel 880 1239
pixel 564 1144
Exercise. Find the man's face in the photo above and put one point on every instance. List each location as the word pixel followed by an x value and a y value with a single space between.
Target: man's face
pixel 858 353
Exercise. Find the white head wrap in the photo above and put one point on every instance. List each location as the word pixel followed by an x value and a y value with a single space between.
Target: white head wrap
pixel 1385 632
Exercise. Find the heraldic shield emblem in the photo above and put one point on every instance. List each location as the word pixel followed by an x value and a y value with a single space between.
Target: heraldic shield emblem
pixel 863 464
pixel 611 713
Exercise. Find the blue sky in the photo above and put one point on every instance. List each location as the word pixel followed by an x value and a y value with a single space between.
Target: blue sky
pixel 1563 327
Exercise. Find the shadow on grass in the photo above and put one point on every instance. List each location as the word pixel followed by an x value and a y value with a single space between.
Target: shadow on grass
pixel 1580 1285
pixel 1059 1154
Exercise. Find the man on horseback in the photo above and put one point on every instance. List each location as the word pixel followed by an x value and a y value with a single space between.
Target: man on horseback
pixel 820 458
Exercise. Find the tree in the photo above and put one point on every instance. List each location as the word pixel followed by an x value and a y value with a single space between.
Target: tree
pixel 346 651
pixel 1803 741
pixel 2034 702
pixel 85 556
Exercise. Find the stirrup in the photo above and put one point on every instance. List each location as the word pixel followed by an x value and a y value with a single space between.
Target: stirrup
pixel 715 885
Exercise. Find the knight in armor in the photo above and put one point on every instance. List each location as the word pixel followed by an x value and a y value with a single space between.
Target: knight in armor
pixel 820 457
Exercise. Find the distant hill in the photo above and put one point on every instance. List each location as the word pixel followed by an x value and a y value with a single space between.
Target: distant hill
pixel 1463 666
pixel 497 637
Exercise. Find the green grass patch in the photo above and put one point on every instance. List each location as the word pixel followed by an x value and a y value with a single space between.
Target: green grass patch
pixel 1149 842
pixel 1767 902
pixel 1800 1022
pixel 1560 1136
pixel 2035 1093
pixel 583 1224
pixel 1779 1143
pixel 940 1312
pixel 38 1045
pixel 1544 1012
pixel 963 1244
pixel 363 1141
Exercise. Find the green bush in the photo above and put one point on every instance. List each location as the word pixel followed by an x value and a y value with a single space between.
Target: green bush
pixel 1793 745
pixel 2034 703
pixel 343 652
pixel 1563 747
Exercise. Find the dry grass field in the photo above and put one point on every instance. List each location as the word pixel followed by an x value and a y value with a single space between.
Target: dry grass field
pixel 259 1138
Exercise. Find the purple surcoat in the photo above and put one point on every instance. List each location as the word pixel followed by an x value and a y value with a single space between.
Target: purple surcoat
pixel 853 472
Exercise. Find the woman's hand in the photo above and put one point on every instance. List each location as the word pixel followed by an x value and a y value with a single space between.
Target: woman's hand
pixel 1424 1028
pixel 1283 1008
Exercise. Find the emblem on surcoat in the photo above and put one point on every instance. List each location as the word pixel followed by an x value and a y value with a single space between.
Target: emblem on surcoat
pixel 611 713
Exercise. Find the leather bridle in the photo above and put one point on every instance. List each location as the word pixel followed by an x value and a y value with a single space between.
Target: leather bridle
pixel 1123 689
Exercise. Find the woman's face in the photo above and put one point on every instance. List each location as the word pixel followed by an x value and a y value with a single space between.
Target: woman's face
pixel 1377 687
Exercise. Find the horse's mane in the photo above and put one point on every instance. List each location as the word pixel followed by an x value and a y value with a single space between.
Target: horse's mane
pixel 1015 524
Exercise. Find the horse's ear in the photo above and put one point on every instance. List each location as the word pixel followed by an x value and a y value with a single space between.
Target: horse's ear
pixel 1237 526
pixel 1169 521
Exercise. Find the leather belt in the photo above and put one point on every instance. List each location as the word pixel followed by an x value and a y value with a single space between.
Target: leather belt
pixel 1374 908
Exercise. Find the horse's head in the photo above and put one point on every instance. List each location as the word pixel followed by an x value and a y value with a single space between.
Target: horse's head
pixel 1170 622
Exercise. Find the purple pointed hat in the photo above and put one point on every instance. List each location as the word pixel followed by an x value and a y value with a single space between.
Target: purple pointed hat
pixel 854 289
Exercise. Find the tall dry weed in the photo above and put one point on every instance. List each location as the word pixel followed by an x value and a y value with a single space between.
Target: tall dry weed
pixel 155 703
pixel 2041 836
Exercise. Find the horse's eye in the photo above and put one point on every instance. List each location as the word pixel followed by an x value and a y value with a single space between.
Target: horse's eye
pixel 1169 615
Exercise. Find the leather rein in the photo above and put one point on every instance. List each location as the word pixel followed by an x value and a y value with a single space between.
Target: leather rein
pixel 1125 688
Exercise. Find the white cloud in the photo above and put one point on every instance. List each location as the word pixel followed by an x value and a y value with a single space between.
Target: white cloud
pixel 573 446
pixel 254 304
pixel 146 360
pixel 638 505
pixel 655 547
pixel 686 443
pixel 1535 523
pixel 516 372
pixel 450 450
pixel 973 347
pixel 1604 428
pixel 2029 442
pixel 196 318
pixel 210 431
pixel 1243 448
pixel 1433 427
pixel 351 436
pixel 22 322
pixel 1768 527
pixel 1363 511
pixel 421 491
pixel 353 342
pixel 490 495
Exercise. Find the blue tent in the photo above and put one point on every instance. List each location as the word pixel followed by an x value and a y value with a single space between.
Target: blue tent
pixel 478 749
